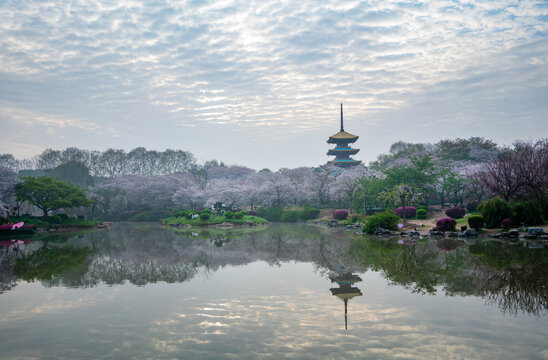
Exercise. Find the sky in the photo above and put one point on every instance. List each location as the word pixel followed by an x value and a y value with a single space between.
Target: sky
pixel 259 83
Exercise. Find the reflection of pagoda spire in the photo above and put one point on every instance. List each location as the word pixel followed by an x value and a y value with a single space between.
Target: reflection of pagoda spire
pixel 345 291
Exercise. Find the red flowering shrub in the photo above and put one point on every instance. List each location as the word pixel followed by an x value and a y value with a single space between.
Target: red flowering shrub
pixel 410 211
pixel 506 223
pixel 455 212
pixel 446 224
pixel 340 214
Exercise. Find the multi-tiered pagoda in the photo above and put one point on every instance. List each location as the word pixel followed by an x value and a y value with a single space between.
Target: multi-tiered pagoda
pixel 342 150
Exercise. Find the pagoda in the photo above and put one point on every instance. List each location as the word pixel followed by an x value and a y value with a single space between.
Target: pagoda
pixel 342 150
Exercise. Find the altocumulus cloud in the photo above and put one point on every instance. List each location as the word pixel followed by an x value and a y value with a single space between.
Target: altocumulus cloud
pixel 269 75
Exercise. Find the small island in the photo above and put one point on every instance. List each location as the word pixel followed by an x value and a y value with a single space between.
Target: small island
pixel 218 217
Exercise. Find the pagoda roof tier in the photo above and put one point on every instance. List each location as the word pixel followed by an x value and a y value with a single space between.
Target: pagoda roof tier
pixel 344 162
pixel 342 137
pixel 342 151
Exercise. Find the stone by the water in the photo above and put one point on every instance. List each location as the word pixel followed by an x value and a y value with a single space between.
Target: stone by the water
pixel 470 233
pixel 536 231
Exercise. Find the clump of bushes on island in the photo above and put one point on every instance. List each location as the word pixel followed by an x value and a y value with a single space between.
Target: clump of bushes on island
pixel 209 217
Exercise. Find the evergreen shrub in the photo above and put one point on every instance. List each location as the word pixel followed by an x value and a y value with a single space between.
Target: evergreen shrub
pixel 409 211
pixel 54 219
pixel 455 212
pixel 340 214
pixel 290 216
pixel 205 216
pixel 309 213
pixel 472 206
pixel 272 214
pixel 446 224
pixel 494 211
pixel 387 220
pixel 529 212
pixel 422 214
pixel 239 215
pixel 354 218
pixel 476 221
pixel 180 213
pixel 229 214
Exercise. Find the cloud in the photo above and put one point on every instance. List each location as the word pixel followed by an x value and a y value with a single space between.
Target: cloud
pixel 283 65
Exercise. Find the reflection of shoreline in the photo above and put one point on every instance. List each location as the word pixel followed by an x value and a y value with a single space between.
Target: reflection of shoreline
pixel 345 291
pixel 510 276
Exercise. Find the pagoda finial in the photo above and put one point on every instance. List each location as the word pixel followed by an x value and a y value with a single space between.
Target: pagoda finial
pixel 342 128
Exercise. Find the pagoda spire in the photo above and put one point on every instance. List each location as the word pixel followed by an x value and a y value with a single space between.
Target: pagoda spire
pixel 342 128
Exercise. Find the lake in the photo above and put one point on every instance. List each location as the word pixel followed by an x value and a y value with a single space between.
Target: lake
pixel 138 291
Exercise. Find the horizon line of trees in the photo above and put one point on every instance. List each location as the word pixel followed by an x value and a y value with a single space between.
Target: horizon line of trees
pixel 144 180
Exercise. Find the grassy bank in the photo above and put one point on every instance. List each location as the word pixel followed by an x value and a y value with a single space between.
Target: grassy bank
pixel 54 221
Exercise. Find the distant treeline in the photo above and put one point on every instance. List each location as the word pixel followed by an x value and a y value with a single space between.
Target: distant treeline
pixel 459 171
pixel 110 163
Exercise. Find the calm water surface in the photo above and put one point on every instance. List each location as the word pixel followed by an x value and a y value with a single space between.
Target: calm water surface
pixel 299 292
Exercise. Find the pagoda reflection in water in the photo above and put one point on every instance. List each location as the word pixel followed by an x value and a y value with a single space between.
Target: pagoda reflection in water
pixel 345 291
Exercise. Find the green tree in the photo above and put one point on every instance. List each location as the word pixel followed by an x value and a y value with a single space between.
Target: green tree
pixel 50 194
pixel 73 172
pixel 402 195
pixel 368 190
pixel 420 176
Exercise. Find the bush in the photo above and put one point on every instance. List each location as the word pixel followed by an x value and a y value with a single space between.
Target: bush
pixel 64 217
pixel 309 213
pixel 271 213
pixel 181 214
pixel 354 218
pixel 409 211
pixel 54 219
pixel 494 211
pixel 422 214
pixel 205 216
pixel 472 207
pixel 229 214
pixel 239 215
pixel 386 220
pixel 340 214
pixel 529 212
pixel 476 221
pixel 455 212
pixel 506 223
pixel 204 211
pixel 290 216
pixel 446 224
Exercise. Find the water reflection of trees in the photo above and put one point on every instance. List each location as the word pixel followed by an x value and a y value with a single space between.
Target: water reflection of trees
pixel 513 277
pixel 510 276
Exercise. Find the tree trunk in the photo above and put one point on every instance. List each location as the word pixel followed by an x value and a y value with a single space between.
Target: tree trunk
pixel 45 212
pixel 351 206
